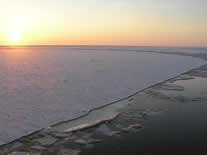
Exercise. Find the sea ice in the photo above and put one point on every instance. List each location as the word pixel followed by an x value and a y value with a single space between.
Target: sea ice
pixel 41 86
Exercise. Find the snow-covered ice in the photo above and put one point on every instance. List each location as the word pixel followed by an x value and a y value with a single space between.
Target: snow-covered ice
pixel 41 86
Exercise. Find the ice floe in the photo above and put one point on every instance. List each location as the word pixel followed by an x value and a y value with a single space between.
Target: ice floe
pixel 43 86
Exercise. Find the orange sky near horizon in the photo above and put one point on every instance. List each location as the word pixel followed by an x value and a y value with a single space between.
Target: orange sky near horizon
pixel 102 22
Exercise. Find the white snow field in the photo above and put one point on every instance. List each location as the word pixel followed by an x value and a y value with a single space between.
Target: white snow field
pixel 41 86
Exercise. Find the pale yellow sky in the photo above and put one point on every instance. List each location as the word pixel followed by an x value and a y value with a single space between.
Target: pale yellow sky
pixel 103 22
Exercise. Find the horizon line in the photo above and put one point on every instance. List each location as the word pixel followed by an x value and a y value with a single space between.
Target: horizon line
pixel 103 46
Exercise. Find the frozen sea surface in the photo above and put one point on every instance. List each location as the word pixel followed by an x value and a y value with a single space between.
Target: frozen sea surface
pixel 41 86
pixel 188 50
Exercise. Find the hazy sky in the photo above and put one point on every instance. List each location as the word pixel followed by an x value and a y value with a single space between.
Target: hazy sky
pixel 104 22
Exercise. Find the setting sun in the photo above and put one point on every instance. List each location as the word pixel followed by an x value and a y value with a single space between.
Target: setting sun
pixel 15 36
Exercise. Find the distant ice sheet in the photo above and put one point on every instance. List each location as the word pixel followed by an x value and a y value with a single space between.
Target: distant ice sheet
pixel 185 50
pixel 43 86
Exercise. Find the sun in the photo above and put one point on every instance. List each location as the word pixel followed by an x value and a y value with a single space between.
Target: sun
pixel 15 36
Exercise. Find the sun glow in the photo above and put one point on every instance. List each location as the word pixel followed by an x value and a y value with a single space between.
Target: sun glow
pixel 15 36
